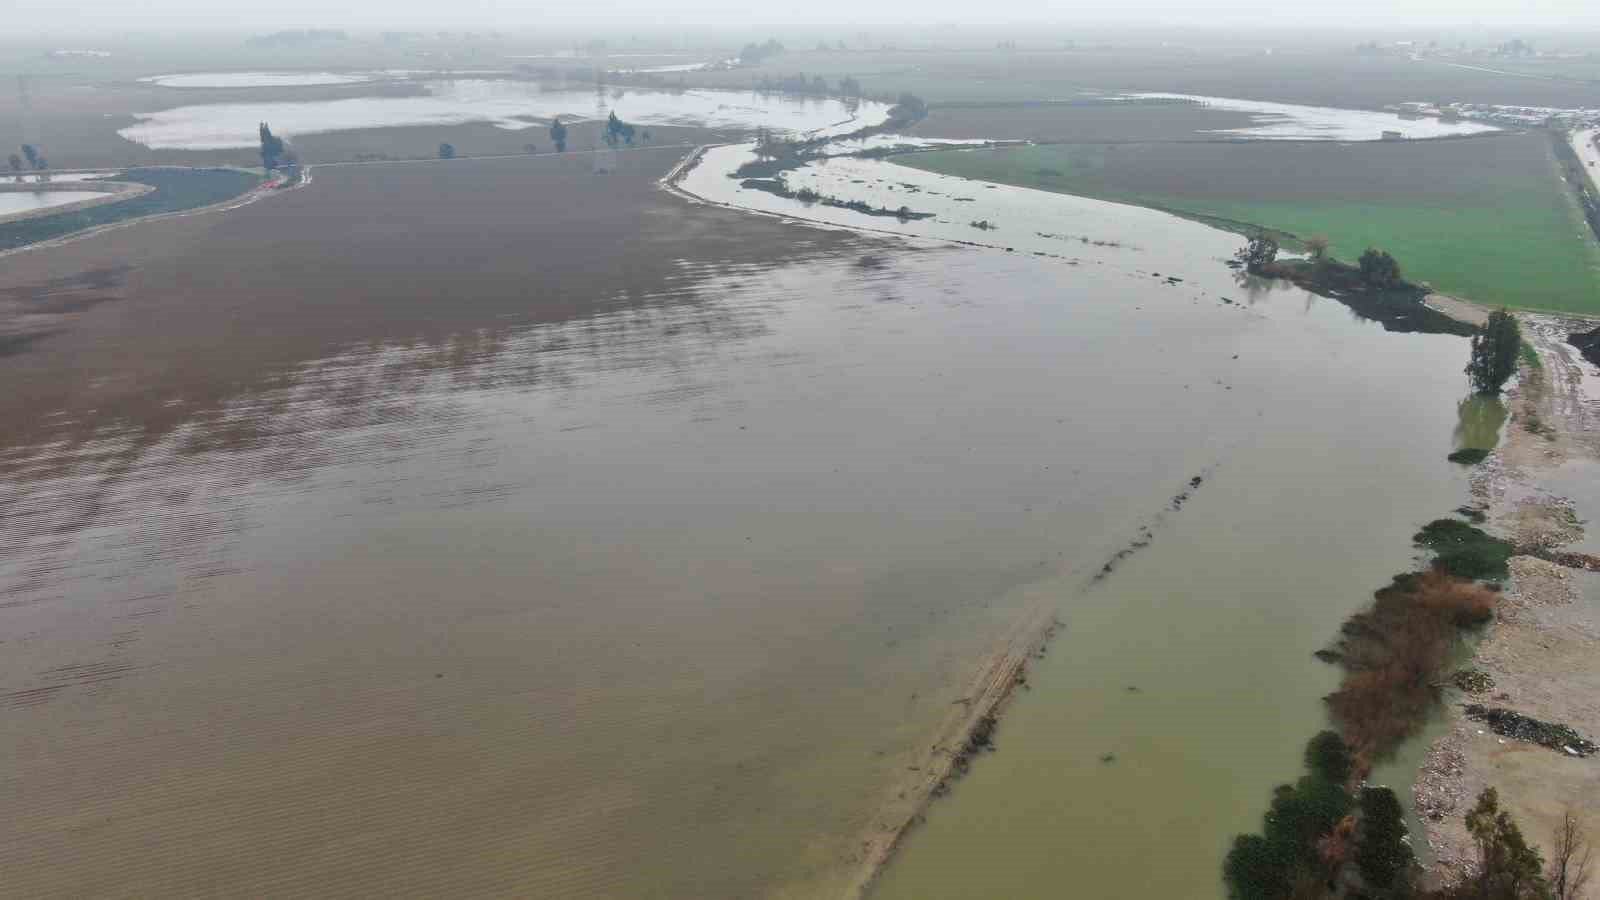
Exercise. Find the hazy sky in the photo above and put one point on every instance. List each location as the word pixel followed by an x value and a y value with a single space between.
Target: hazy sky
pixel 48 15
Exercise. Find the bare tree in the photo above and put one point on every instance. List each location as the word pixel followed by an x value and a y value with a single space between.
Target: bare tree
pixel 1571 854
pixel 1317 246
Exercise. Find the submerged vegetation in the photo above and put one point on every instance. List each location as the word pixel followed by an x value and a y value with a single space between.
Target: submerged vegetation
pixel 1469 456
pixel 1373 289
pixel 1394 655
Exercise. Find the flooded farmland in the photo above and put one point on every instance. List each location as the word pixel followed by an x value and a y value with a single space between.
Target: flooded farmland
pixel 29 201
pixel 512 105
pixel 545 571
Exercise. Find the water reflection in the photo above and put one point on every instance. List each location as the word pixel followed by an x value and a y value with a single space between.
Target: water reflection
pixel 1480 417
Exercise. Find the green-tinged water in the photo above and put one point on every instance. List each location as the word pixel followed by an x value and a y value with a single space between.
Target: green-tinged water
pixel 1480 419
pixel 1183 688
pixel 662 597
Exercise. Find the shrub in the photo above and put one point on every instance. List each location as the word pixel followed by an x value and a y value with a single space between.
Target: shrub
pixel 1258 255
pixel 1469 456
pixel 1394 654
pixel 1294 847
pixel 1463 550
pixel 1328 756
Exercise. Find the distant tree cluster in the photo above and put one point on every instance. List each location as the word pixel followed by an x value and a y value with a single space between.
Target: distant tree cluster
pixel 617 132
pixel 907 109
pixel 1257 255
pixel 31 158
pixel 753 54
pixel 297 37
pixel 794 84
pixel 1379 269
pixel 273 150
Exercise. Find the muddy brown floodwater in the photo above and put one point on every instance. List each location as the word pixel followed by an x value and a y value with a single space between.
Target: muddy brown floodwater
pixel 497 528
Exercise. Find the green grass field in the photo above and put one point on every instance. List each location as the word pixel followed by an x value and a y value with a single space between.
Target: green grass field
pixel 1485 219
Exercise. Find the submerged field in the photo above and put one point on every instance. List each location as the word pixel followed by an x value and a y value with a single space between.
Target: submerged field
pixel 1485 218
pixel 639 549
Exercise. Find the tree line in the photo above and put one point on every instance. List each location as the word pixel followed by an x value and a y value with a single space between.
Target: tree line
pixel 30 159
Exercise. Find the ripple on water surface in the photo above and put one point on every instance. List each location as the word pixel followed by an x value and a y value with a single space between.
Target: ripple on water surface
pixel 569 609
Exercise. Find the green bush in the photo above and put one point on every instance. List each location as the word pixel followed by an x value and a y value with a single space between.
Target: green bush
pixel 1266 866
pixel 1465 551
pixel 1469 456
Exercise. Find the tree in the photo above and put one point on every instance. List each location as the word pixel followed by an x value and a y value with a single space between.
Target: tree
pixel 1328 756
pixel 1382 852
pixel 447 151
pixel 1317 246
pixel 1258 255
pixel 16 163
pixel 1494 353
pixel 32 154
pixel 1379 269
pixel 271 147
pixel 617 131
pixel 558 134
pixel 1570 859
pixel 1508 869
pixel 530 148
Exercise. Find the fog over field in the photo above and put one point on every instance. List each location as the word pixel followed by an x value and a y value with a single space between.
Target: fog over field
pixel 37 15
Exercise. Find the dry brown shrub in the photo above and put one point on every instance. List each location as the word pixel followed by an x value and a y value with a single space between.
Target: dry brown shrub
pixel 1394 655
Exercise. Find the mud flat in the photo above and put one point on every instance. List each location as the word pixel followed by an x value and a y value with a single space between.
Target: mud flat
pixel 1543 651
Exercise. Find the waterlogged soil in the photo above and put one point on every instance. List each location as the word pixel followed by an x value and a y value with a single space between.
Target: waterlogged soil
pixel 562 538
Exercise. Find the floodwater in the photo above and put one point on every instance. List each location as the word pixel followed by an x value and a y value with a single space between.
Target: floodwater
pixel 1293 122
pixel 664 599
pixel 27 201
pixel 506 104
pixel 53 177
pixel 259 79
pixel 1183 688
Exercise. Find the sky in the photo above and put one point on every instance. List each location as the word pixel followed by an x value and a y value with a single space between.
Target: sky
pixel 41 16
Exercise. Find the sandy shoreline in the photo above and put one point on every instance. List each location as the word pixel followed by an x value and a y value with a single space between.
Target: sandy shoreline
pixel 1543 652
